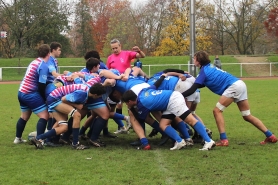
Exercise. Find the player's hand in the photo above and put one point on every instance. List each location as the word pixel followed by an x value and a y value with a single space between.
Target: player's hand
pixel 136 49
pixel 65 72
pixel 125 78
pixel 182 77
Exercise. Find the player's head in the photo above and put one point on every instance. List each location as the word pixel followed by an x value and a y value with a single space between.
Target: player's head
pixel 97 90
pixel 43 51
pixel 92 53
pixel 92 64
pixel 55 49
pixel 130 98
pixel 202 57
pixel 115 46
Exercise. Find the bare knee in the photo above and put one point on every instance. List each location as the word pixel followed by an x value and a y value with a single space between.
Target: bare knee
pixel 76 115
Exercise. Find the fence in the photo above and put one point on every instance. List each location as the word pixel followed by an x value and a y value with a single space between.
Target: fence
pixel 237 69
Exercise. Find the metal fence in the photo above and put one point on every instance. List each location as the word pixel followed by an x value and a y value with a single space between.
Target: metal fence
pixel 237 69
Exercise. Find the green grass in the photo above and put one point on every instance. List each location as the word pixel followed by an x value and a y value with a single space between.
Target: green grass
pixel 244 162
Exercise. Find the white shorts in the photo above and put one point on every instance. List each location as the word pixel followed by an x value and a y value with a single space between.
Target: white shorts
pixel 194 98
pixel 237 90
pixel 137 88
pixel 176 105
pixel 182 86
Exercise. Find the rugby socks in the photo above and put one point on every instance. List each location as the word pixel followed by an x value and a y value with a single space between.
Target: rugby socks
pixel 144 141
pixel 183 130
pixel 199 127
pixel 20 126
pixel 196 117
pixel 99 124
pixel 75 133
pixel 119 111
pixel 50 123
pixel 118 116
pixel 118 119
pixel 82 130
pixel 268 133
pixel 105 130
pixel 223 136
pixel 155 125
pixel 41 126
pixel 119 123
pixel 48 134
pixel 172 133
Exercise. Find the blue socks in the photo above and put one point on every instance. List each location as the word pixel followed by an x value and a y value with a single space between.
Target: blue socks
pixel 48 134
pixel 172 133
pixel 268 133
pixel 75 133
pixel 50 123
pixel 183 130
pixel 20 126
pixel 223 136
pixel 41 126
pixel 97 127
pixel 144 141
pixel 199 127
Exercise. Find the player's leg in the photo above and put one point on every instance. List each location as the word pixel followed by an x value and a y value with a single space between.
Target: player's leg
pixel 99 124
pixel 247 116
pixel 137 127
pixel 165 125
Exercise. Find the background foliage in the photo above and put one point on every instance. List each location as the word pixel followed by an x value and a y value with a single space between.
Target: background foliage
pixel 158 27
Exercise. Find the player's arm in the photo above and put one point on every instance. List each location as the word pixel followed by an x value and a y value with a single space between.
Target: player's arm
pixel 55 74
pixel 159 81
pixel 180 75
pixel 174 70
pixel 192 89
pixel 109 82
pixel 108 74
pixel 42 87
pixel 140 53
pixel 42 80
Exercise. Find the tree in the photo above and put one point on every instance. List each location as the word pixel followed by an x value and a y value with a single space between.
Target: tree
pixel 31 23
pixel 214 22
pixel 271 23
pixel 243 22
pixel 83 34
pixel 176 39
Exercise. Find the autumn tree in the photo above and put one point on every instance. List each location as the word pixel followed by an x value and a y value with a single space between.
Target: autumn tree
pixel 150 20
pixel 176 38
pixel 271 23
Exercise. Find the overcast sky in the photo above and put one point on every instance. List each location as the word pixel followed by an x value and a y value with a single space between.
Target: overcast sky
pixel 136 2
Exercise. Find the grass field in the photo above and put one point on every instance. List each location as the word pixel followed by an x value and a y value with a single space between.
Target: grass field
pixel 244 162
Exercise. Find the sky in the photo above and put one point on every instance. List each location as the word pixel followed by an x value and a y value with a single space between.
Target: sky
pixel 137 2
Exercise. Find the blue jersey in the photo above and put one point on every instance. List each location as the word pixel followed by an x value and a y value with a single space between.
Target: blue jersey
pixel 52 66
pixel 122 86
pixel 150 99
pixel 169 83
pixel 215 79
